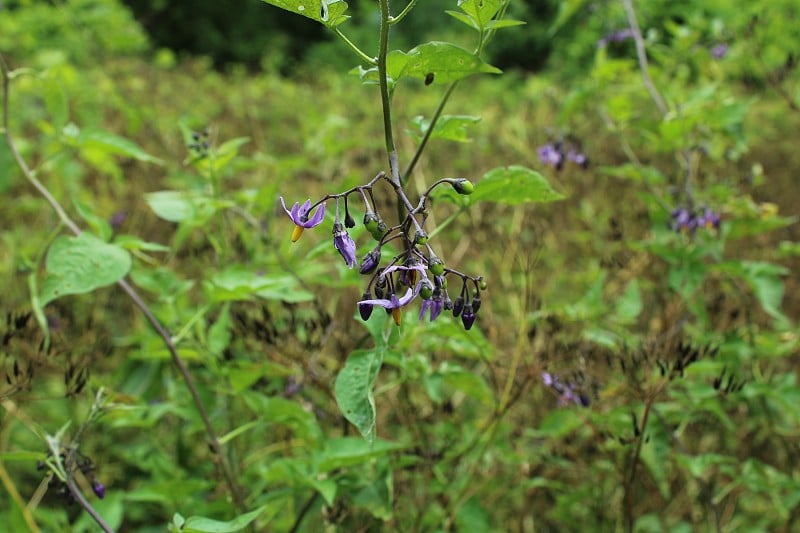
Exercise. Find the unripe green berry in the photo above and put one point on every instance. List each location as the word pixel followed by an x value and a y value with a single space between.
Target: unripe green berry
pixel 426 291
pixel 420 237
pixel 463 186
pixel 436 266
pixel 482 284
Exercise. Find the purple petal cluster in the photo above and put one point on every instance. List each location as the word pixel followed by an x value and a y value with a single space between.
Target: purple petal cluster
pixel 616 36
pixel 553 154
pixel 568 392
pixel 687 221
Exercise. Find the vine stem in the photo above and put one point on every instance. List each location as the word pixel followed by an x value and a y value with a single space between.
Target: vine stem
pixel 83 502
pixel 383 47
pixel 30 176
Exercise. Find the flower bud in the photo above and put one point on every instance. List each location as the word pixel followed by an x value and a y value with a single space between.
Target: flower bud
pixel 420 237
pixel 99 489
pixel 349 221
pixel 370 261
pixel 458 305
pixel 467 316
pixel 380 287
pixel 436 266
pixel 476 303
pixel 365 310
pixel 463 186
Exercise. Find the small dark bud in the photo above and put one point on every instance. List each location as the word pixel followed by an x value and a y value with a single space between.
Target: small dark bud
pixel 448 303
pixel 467 317
pixel 40 465
pixel 99 489
pixel 429 78
pixel 365 310
pixel 349 221
pixel 476 303
pixel 463 186
pixel 458 306
pixel 380 287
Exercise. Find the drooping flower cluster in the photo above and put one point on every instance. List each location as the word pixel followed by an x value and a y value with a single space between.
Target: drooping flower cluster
pixel 616 36
pixel 554 155
pixel 568 392
pixel 688 221
pixel 415 272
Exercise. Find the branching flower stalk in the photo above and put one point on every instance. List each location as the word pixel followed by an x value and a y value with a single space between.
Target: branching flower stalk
pixel 179 363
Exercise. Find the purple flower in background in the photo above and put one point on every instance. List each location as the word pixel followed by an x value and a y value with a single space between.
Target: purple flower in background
pixel 709 219
pixel 719 50
pixel 345 245
pixel 683 221
pixel 117 219
pixel 578 158
pixel 550 154
pixel 567 393
pixel 616 37
pixel 299 215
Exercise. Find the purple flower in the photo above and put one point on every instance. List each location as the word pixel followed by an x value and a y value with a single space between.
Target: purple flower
pixel 616 37
pixel 299 215
pixel 550 154
pixel 719 50
pixel 566 393
pixel 578 158
pixel 709 219
pixel 434 305
pixel 683 221
pixel 344 244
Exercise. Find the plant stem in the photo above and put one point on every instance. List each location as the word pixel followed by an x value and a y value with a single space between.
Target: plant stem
pixel 429 131
pixel 364 57
pixel 641 53
pixel 131 292
pixel 78 495
pixel 385 96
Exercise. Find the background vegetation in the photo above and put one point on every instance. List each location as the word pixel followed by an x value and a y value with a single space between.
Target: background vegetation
pixel 676 352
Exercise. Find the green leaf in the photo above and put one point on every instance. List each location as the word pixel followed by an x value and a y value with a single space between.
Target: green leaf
pixel 514 185
pixel 184 206
pixel 219 334
pixel 354 389
pixel 239 283
pixel 480 11
pixel 446 61
pixel 98 224
pixel 348 451
pixel 114 144
pixel 765 279
pixel 328 12
pixel 448 127
pixel 199 524
pixel 630 304
pixel 77 265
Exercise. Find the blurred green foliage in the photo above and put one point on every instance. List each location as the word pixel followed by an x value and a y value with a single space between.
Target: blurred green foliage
pixel 685 346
